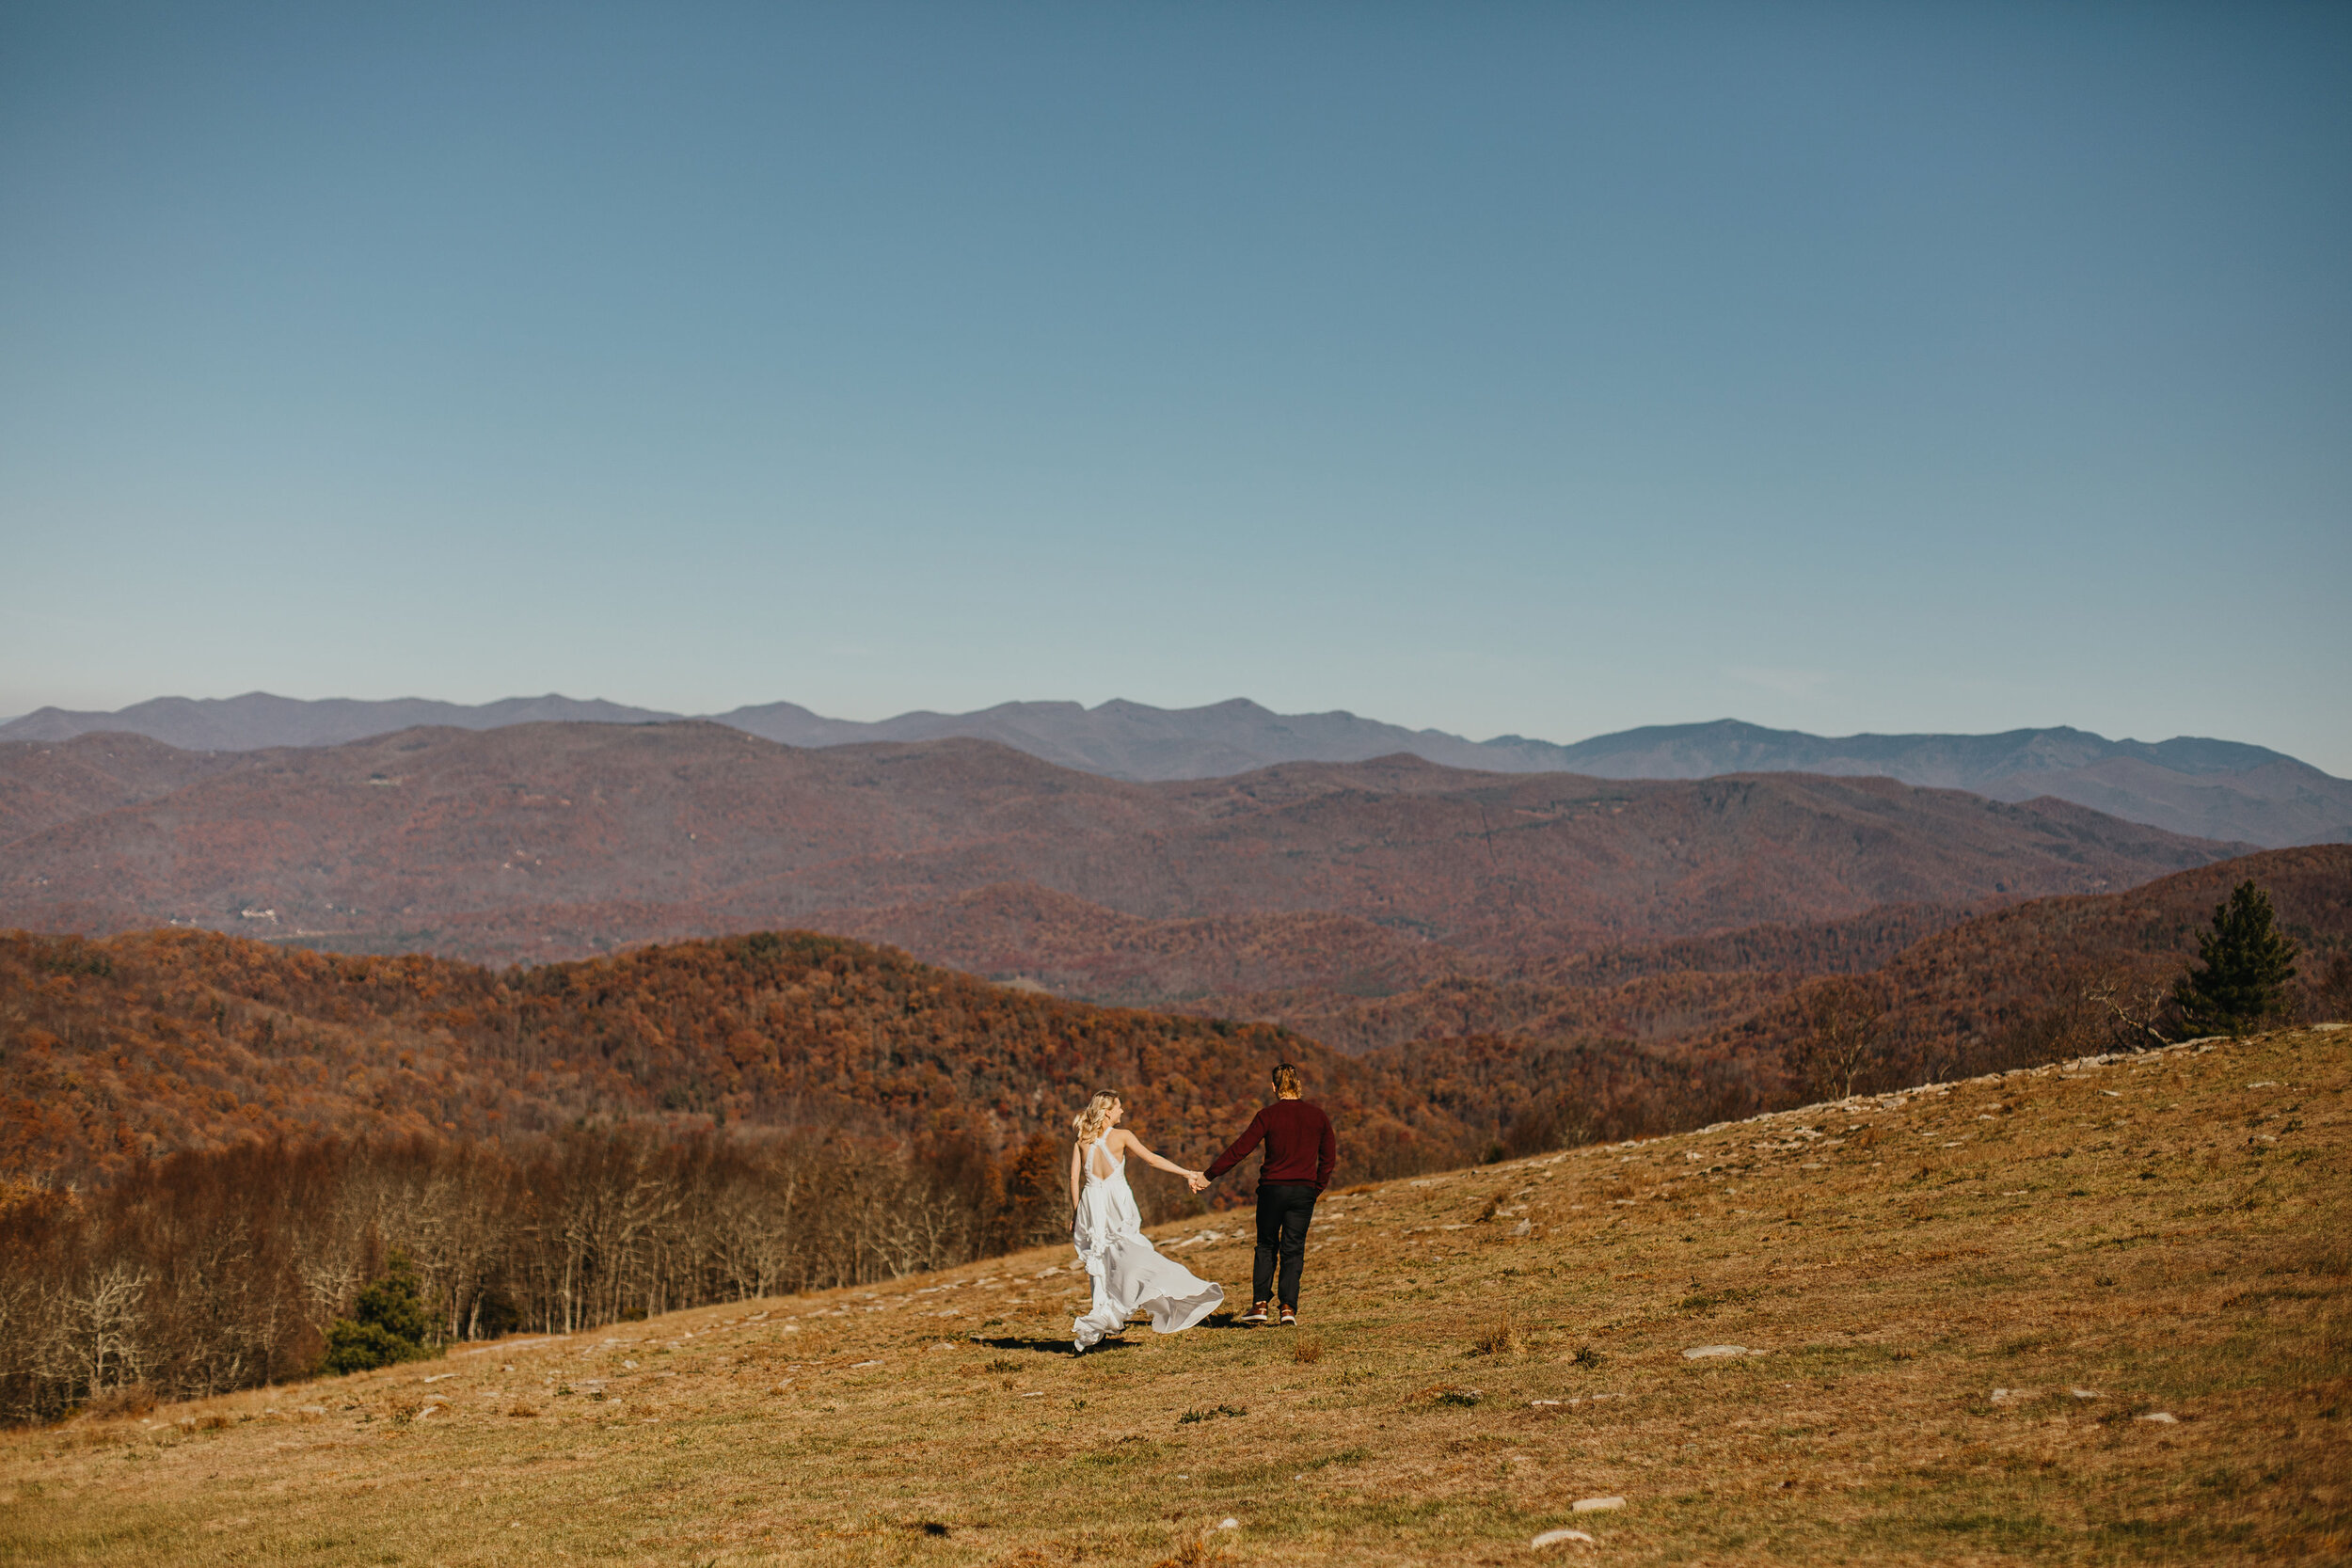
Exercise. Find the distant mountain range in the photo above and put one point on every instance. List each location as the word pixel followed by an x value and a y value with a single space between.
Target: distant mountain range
pixel 2214 789
pixel 548 841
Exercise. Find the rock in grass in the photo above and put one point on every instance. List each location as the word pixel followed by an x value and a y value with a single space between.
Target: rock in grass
pixel 2163 1418
pixel 1560 1537
pixel 1700 1352
pixel 1595 1505
pixel 1228 1524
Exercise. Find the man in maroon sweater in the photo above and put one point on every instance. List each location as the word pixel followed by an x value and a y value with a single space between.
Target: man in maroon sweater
pixel 1299 1152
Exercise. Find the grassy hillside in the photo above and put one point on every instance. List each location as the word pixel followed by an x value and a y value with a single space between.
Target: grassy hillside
pixel 2093 1312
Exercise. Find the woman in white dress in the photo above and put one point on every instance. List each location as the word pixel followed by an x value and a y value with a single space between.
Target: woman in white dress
pixel 1129 1274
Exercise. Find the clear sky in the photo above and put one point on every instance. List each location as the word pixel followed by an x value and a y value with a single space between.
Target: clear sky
pixel 1538 368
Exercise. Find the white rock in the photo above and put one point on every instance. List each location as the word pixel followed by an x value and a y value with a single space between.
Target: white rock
pixel 1702 1352
pixel 1543 1402
pixel 2164 1418
pixel 1228 1524
pixel 431 1408
pixel 855 1365
pixel 2085 1393
pixel 1595 1505
pixel 1557 1537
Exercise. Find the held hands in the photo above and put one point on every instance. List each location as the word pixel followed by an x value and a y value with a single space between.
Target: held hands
pixel 1197 1181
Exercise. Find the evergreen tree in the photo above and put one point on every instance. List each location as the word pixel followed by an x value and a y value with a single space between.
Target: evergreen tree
pixel 388 1324
pixel 2245 962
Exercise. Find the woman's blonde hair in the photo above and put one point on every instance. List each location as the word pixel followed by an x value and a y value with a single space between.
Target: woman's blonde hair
pixel 1286 1081
pixel 1091 1121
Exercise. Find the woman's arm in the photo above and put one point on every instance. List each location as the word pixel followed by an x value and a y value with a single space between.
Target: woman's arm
pixel 1136 1145
pixel 1077 1154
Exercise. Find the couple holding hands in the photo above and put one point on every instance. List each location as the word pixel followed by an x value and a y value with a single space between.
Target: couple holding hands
pixel 1130 1275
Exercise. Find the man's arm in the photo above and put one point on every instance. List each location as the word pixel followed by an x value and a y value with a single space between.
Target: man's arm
pixel 1326 1155
pixel 1241 1149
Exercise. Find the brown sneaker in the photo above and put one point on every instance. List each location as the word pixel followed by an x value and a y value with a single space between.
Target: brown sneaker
pixel 1289 1317
pixel 1256 1313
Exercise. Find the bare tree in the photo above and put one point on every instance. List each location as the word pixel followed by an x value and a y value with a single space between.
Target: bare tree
pixel 2135 1006
pixel 1844 1039
pixel 100 1320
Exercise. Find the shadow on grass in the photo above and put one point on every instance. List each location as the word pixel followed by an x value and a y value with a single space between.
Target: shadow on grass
pixel 1052 1347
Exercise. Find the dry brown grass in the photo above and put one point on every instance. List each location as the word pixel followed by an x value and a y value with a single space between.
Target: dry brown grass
pixel 1502 1336
pixel 1918 1287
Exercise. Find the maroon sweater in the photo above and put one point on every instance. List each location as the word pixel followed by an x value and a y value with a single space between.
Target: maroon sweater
pixel 1300 1145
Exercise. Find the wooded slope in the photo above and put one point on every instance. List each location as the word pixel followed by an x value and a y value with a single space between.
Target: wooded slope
pixel 137 1045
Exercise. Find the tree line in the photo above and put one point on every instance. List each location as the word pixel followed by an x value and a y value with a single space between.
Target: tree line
pixel 214 1270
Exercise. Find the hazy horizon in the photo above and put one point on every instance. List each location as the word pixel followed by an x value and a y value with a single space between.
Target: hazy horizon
pixel 1507 369
pixel 677 711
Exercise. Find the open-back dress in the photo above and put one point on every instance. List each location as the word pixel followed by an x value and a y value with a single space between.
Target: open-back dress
pixel 1129 1274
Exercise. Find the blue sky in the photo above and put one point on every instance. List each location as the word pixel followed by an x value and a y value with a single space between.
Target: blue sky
pixel 1547 369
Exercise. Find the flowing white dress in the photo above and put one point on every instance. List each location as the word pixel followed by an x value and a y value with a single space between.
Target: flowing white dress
pixel 1129 1274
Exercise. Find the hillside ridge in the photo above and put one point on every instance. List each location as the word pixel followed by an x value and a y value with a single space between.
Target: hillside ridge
pixel 551 840
pixel 2205 787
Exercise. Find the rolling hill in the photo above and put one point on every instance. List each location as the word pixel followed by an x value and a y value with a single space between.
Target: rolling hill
pixel 2209 788
pixel 134 1047
pixel 544 840
pixel 1988 989
pixel 2187 785
pixel 131 1047
pixel 259 721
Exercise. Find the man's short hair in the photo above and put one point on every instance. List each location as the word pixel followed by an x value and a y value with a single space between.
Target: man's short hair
pixel 1285 1079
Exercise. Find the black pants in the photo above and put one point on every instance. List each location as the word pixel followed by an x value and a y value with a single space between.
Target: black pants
pixel 1284 1210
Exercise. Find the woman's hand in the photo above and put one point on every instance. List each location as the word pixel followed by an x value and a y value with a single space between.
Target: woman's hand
pixel 1197 1181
